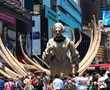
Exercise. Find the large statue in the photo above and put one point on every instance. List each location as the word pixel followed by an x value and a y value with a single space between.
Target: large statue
pixel 60 53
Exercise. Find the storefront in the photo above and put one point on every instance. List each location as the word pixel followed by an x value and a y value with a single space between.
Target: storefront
pixel 13 21
pixel 8 29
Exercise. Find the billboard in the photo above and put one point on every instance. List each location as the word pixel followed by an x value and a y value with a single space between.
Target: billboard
pixel 36 35
pixel 106 18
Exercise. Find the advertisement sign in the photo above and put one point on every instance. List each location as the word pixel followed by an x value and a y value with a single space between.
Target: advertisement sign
pixel 35 35
pixel 106 18
pixel 36 40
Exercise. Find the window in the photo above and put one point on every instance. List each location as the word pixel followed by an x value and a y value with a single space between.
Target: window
pixel 54 4
pixel 108 1
pixel 11 40
pixel 11 34
pixel 33 23
pixel 76 1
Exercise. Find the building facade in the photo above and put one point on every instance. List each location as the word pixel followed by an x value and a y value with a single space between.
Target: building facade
pixel 14 20
pixel 101 8
pixel 104 15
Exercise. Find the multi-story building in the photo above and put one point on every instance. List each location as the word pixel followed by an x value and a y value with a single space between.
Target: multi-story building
pixel 101 8
pixel 104 15
pixel 14 20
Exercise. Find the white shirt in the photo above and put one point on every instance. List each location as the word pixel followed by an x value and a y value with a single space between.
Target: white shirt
pixel 101 82
pixel 81 83
pixel 58 83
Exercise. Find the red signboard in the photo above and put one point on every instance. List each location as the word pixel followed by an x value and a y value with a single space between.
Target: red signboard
pixel 100 65
pixel 8 18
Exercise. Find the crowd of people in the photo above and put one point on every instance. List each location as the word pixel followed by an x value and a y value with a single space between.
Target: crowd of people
pixel 87 81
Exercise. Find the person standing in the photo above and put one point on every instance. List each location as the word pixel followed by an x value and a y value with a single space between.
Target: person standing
pixel 58 83
pixel 9 85
pixel 1 83
pixel 107 81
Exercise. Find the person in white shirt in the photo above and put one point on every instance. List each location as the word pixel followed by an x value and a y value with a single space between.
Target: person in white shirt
pixel 81 82
pixel 101 82
pixel 58 83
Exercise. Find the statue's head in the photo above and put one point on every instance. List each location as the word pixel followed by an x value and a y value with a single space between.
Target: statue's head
pixel 58 29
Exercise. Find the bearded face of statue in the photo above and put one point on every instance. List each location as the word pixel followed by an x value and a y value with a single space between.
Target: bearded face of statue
pixel 58 30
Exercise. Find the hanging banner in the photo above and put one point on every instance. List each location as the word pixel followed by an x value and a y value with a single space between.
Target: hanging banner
pixel 106 18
